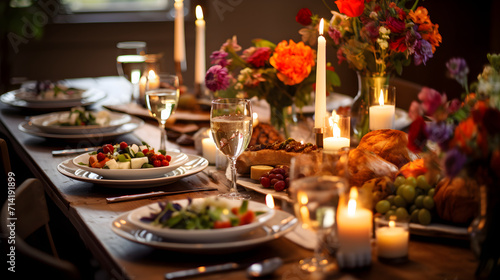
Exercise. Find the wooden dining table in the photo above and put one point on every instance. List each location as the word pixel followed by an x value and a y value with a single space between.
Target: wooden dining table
pixel 85 206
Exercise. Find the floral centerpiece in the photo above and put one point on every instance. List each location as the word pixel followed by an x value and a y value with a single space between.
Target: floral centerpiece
pixel 282 74
pixel 376 38
pixel 467 135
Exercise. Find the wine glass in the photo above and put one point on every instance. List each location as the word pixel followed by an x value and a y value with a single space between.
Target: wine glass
pixel 317 184
pixel 130 62
pixel 231 126
pixel 162 96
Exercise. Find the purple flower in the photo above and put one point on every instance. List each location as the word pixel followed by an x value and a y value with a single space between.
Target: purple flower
pixel 423 51
pixel 219 58
pixel 334 34
pixel 454 162
pixel 439 132
pixel 458 70
pixel 217 78
pixel 412 38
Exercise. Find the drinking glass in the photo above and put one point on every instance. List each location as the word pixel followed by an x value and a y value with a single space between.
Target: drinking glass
pixel 130 62
pixel 231 125
pixel 162 96
pixel 317 184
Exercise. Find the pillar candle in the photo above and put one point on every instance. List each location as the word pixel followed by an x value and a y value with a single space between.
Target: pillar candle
pixel 200 68
pixel 354 225
pixel 382 115
pixel 209 150
pixel 392 241
pixel 179 43
pixel 320 101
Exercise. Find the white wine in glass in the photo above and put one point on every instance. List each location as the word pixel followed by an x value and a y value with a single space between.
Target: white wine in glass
pixel 231 126
pixel 161 103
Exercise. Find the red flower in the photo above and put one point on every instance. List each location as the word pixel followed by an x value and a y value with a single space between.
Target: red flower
pixel 304 16
pixel 351 8
pixel 395 25
pixel 259 57
pixel 399 44
pixel 417 135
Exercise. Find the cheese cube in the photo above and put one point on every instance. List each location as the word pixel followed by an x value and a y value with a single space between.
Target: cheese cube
pixel 111 164
pixel 134 148
pixel 141 148
pixel 136 163
pixel 257 171
pixel 124 165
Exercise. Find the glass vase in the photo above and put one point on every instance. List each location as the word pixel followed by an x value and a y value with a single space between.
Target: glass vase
pixel 359 108
pixel 485 229
pixel 280 118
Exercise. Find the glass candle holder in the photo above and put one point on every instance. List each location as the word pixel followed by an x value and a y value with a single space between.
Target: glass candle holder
pixel 337 133
pixel 354 227
pixel 382 107
pixel 392 237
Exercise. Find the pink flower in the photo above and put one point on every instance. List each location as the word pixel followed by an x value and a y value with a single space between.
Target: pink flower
pixel 415 110
pixel 431 100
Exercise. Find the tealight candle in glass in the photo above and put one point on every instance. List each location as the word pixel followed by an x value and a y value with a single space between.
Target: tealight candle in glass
pixel 382 108
pixel 392 238
pixel 336 133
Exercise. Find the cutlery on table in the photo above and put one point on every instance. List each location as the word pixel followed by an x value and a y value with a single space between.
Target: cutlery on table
pixel 258 269
pixel 73 151
pixel 152 194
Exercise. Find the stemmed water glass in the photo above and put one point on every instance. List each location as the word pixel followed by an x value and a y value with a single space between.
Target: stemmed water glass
pixel 317 184
pixel 231 126
pixel 130 62
pixel 162 96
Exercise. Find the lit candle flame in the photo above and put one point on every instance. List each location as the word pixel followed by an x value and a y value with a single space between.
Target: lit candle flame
pixel 321 24
pixel 381 98
pixel 151 74
pixel 392 224
pixel 351 205
pixel 269 201
pixel 336 130
pixel 199 12
pixel 302 198
pixel 255 119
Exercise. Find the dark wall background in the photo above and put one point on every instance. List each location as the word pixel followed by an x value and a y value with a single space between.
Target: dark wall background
pixel 88 49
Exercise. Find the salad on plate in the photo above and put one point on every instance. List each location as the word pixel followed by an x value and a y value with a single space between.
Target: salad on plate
pixel 201 219
pixel 123 161
pixel 49 91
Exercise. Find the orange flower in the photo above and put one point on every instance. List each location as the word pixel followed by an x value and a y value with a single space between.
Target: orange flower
pixel 293 61
pixel 428 30
pixel 463 133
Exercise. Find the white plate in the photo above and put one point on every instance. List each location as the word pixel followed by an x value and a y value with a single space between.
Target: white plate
pixel 256 186
pixel 134 123
pixel 48 123
pixel 124 228
pixel 30 96
pixel 333 101
pixel 178 159
pixel 200 235
pixel 194 165
pixel 440 230
pixel 93 94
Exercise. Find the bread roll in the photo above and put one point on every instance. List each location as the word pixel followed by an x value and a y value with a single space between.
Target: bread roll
pixel 365 165
pixel 389 144
pixel 457 199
